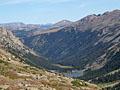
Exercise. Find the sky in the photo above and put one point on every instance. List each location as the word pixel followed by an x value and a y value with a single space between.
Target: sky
pixel 51 11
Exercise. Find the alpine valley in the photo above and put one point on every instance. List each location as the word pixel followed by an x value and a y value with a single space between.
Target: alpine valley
pixel 62 56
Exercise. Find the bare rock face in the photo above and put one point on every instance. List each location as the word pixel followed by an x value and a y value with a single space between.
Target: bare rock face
pixel 9 35
pixel 2 31
pixel 8 40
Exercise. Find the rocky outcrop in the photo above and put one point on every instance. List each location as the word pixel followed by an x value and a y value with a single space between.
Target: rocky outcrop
pixel 13 45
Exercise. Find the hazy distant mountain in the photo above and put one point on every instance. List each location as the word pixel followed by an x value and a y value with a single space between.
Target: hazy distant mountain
pixel 92 43
pixel 21 26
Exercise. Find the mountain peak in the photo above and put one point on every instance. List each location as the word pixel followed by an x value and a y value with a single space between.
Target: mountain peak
pixel 112 12
pixel 116 11
pixel 62 23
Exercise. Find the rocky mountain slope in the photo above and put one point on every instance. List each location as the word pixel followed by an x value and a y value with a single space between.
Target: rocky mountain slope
pixel 17 71
pixel 12 44
pixel 90 44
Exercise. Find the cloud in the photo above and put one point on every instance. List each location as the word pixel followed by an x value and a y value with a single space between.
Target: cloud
pixel 13 2
pixel 57 1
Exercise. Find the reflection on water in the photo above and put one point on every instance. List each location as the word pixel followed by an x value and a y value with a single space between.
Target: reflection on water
pixel 74 73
